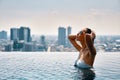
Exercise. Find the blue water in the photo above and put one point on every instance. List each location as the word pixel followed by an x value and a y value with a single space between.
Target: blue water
pixel 57 66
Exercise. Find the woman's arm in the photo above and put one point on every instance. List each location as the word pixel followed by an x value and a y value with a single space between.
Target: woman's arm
pixel 82 38
pixel 72 39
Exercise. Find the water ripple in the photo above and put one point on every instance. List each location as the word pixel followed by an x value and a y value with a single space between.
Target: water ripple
pixel 56 66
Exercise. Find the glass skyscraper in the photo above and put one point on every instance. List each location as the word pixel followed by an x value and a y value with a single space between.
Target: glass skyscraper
pixel 22 33
pixel 68 33
pixel 14 34
pixel 69 30
pixel 62 36
pixel 3 35
pixel 43 40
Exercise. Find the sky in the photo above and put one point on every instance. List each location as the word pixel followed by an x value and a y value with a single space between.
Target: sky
pixel 44 17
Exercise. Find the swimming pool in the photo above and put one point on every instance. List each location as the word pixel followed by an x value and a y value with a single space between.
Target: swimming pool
pixel 57 66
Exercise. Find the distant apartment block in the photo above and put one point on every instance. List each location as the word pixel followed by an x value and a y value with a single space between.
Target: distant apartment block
pixel 22 34
pixel 14 34
pixel 3 35
pixel 61 36
pixel 69 30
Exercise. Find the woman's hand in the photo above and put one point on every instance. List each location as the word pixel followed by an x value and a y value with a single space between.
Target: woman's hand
pixel 80 36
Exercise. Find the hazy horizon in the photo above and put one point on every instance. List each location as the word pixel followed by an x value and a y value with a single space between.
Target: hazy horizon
pixel 45 16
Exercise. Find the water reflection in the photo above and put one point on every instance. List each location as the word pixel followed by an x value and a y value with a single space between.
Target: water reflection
pixel 84 74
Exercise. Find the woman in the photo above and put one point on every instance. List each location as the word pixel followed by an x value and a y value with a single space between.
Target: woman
pixel 86 50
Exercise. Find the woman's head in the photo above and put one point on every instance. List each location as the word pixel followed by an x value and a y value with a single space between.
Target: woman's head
pixel 86 30
pixel 90 32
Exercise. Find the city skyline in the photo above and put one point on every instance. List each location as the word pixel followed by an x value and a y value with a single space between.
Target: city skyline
pixel 45 16
pixel 21 40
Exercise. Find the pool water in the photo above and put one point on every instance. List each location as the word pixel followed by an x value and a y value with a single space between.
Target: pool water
pixel 57 66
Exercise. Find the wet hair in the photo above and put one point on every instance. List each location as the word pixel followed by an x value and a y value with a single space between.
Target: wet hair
pixel 93 34
pixel 80 32
pixel 88 30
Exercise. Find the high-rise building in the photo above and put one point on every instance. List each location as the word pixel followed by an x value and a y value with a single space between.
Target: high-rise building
pixel 61 36
pixel 3 35
pixel 68 33
pixel 24 34
pixel 69 30
pixel 43 40
pixel 43 46
pixel 14 34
